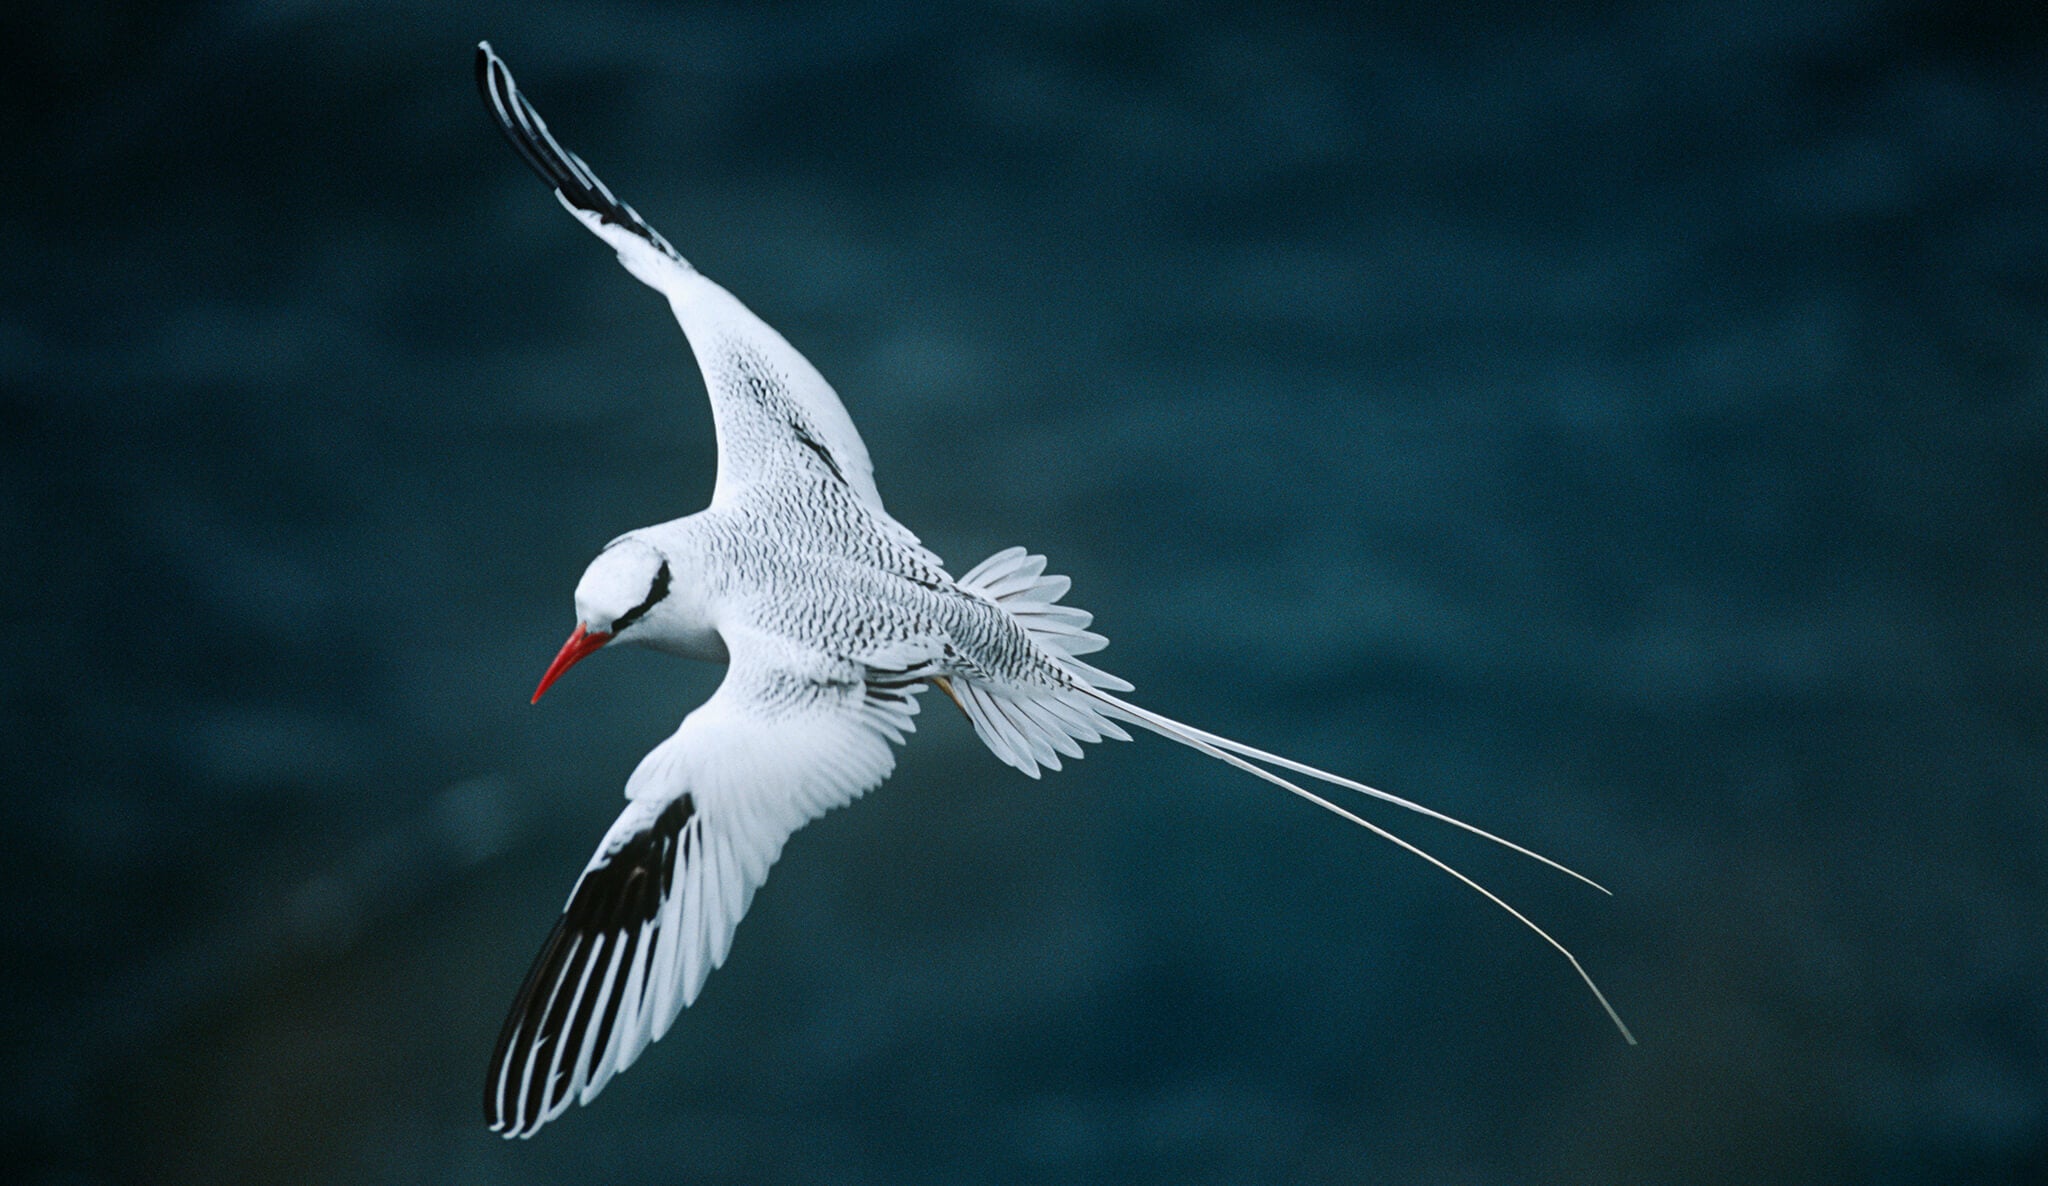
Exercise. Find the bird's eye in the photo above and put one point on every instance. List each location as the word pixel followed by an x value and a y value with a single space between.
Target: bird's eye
pixel 655 592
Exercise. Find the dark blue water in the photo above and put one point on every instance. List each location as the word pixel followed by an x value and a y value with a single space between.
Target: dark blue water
pixel 1625 427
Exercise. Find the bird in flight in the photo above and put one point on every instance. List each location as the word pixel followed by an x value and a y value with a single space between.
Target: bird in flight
pixel 832 619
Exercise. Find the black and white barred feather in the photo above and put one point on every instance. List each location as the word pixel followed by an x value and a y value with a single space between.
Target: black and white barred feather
pixel 560 168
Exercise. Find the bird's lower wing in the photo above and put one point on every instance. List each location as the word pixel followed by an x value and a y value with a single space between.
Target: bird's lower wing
pixel 788 736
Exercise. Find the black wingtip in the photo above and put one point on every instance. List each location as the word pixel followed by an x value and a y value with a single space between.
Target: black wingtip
pixel 614 907
pixel 518 121
pixel 563 170
pixel 486 58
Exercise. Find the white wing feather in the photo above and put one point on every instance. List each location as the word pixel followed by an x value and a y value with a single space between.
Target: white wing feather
pixel 788 736
pixel 776 416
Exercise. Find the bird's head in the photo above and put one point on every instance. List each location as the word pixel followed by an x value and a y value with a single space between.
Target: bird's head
pixel 626 584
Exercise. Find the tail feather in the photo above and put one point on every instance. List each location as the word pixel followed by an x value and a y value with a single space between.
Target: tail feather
pixel 1240 748
pixel 1237 754
pixel 1031 728
pixel 1015 580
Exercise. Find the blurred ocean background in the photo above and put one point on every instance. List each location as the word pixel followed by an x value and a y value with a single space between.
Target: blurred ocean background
pixel 1622 425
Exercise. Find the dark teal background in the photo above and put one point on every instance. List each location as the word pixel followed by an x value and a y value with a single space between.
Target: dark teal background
pixel 1624 426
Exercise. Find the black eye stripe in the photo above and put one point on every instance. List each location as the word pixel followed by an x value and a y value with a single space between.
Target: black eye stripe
pixel 655 592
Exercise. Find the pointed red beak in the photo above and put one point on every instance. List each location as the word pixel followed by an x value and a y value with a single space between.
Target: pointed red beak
pixel 580 644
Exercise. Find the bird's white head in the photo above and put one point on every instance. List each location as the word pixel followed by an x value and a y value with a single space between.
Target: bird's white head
pixel 620 589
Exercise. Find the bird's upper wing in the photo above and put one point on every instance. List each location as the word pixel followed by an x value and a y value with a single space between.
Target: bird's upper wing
pixel 777 418
pixel 789 735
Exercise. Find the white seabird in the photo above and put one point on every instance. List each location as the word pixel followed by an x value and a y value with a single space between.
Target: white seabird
pixel 832 619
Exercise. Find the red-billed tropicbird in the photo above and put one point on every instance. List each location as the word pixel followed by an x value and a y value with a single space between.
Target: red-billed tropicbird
pixel 832 619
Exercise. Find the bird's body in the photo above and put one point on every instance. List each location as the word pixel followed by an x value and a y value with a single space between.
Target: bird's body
pixel 833 619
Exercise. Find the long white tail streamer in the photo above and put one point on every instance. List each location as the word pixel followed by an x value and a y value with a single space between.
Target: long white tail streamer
pixel 1229 751
pixel 1239 747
